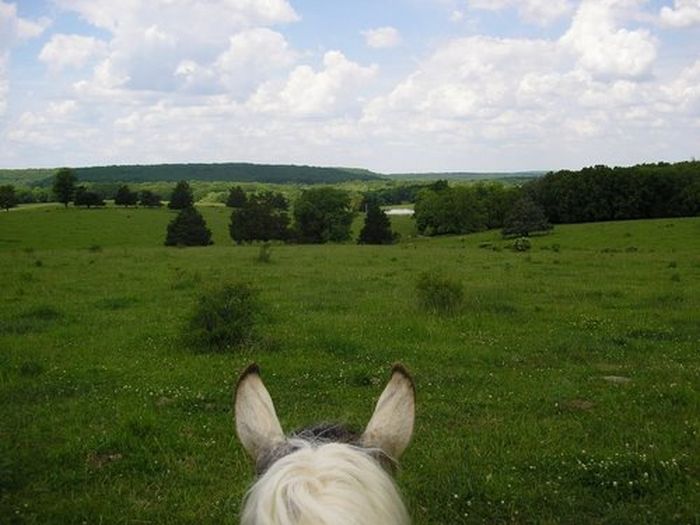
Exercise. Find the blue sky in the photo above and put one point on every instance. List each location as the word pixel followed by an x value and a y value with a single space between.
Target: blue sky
pixel 406 85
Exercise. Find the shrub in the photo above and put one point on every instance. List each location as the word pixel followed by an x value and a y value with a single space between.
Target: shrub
pixel 439 294
pixel 224 319
pixel 521 244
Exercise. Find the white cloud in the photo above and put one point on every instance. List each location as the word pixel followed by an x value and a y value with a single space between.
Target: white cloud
pixel 13 29
pixel 541 12
pixel 605 49
pixel 252 56
pixel 307 92
pixel 154 44
pixel 71 51
pixel 382 37
pixel 684 13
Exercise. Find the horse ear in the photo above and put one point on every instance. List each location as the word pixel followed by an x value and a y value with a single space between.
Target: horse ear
pixel 391 425
pixel 257 425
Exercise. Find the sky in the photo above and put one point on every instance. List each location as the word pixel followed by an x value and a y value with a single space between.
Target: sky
pixel 391 86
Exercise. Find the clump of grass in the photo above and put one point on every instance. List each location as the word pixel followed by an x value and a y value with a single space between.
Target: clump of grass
pixel 264 254
pixel 95 248
pixel 439 294
pixel 38 263
pixel 30 368
pixel 676 277
pixel 33 320
pixel 225 319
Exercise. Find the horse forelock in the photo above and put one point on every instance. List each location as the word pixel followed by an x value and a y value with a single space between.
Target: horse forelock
pixel 317 435
pixel 311 479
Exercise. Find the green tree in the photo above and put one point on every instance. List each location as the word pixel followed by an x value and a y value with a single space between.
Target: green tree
pixel 377 227
pixel 322 215
pixel 236 197
pixel 188 228
pixel 259 220
pixel 150 199
pixel 86 198
pixel 125 197
pixel 64 185
pixel 451 210
pixel 525 218
pixel 182 196
pixel 8 197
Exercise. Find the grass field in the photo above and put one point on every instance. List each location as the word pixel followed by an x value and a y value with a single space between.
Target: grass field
pixel 564 391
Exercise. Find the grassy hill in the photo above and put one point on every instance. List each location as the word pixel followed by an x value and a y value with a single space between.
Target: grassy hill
pixel 564 391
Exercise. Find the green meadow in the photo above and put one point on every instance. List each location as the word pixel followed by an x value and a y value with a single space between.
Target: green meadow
pixel 565 390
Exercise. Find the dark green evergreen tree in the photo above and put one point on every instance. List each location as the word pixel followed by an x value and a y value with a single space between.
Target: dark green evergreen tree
pixel 8 197
pixel 377 228
pixel 64 185
pixel 188 228
pixel 125 197
pixel 182 197
pixel 236 197
pixel 525 218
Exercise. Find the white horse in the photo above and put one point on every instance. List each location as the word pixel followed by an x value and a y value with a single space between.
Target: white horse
pixel 324 475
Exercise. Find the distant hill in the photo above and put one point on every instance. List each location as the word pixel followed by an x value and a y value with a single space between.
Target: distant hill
pixel 227 172
pixel 467 175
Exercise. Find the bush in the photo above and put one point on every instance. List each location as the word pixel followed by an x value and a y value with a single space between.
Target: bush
pixel 224 320
pixel 439 294
pixel 521 244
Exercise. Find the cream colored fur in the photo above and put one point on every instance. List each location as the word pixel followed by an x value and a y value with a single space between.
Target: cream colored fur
pixel 327 484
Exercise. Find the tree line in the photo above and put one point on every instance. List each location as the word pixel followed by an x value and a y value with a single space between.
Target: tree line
pixel 592 194
pixel 319 215
pixel 600 193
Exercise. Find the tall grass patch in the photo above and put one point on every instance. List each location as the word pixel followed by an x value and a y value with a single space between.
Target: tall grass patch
pixel 438 294
pixel 225 319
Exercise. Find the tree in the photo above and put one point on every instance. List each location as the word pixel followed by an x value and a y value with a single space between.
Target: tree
pixel 64 185
pixel 182 197
pixel 377 228
pixel 188 228
pixel 150 199
pixel 322 215
pixel 83 197
pixel 526 217
pixel 236 197
pixel 125 197
pixel 259 220
pixel 8 197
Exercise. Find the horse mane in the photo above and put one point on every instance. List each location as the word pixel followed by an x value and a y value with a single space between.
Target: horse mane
pixel 324 483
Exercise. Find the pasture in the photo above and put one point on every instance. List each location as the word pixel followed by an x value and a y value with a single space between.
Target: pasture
pixel 564 391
